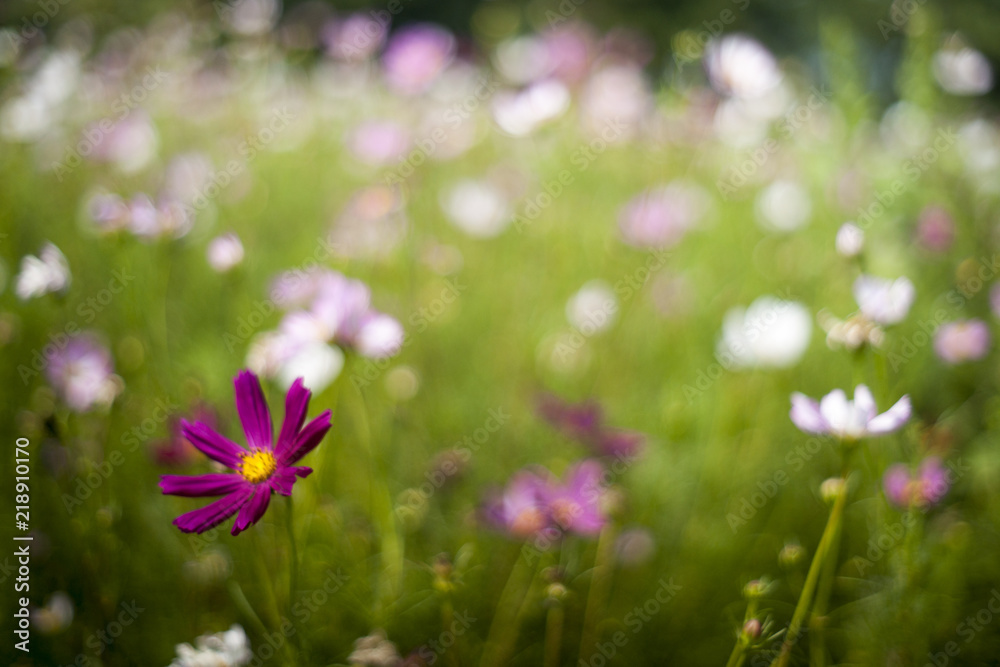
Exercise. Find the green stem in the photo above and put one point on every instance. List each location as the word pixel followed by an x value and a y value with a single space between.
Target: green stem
pixel 384 517
pixel 503 630
pixel 812 578
pixel 293 575
pixel 600 585
pixel 739 654
pixel 553 634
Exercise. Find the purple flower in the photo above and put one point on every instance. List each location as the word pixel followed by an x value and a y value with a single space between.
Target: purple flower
pixel 848 420
pixel 379 143
pixel 82 373
pixel 356 38
pixel 926 488
pixel 575 505
pixel 532 502
pixel 584 422
pixel 935 229
pixel 659 218
pixel 964 340
pixel 262 469
pixel 416 55
pixel 520 509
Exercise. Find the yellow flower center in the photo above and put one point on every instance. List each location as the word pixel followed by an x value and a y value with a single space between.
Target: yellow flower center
pixel 258 465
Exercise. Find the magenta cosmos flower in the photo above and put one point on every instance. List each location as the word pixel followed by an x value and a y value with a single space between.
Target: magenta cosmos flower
pixel 848 420
pixel 923 489
pixel 262 469
pixel 534 502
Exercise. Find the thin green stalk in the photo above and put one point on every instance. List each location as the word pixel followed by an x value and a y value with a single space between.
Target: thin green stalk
pixel 812 578
pixel 384 517
pixel 817 624
pixel 447 620
pixel 600 585
pixel 739 654
pixel 503 629
pixel 293 575
pixel 553 634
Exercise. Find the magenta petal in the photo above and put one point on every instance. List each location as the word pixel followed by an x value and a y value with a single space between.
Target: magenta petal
pixel 253 510
pixel 806 415
pixel 296 404
pixel 214 513
pixel 252 408
pixel 895 483
pixel 282 481
pixel 307 440
pixel 218 484
pixel 213 445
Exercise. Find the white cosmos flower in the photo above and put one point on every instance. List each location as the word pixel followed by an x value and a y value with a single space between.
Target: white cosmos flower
pixel 848 420
pixel 592 308
pixel 40 275
pixel 963 71
pixel 477 208
pixel 771 332
pixel 884 301
pixel 740 66
pixel 318 364
pixel 783 206
pixel 850 240
pixel 222 649
pixel 224 252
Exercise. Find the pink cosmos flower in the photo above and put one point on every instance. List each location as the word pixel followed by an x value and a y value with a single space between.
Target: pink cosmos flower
pixel 264 468
pixel 961 341
pixel 927 487
pixel 533 502
pixel 848 420
pixel 82 373
pixel 584 422
pixel 416 55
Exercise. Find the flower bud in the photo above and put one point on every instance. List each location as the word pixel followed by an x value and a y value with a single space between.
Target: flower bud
pixel 831 488
pixel 791 555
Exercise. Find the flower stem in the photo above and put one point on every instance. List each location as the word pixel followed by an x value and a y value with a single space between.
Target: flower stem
pixel 812 578
pixel 553 634
pixel 503 630
pixel 600 584
pixel 293 575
